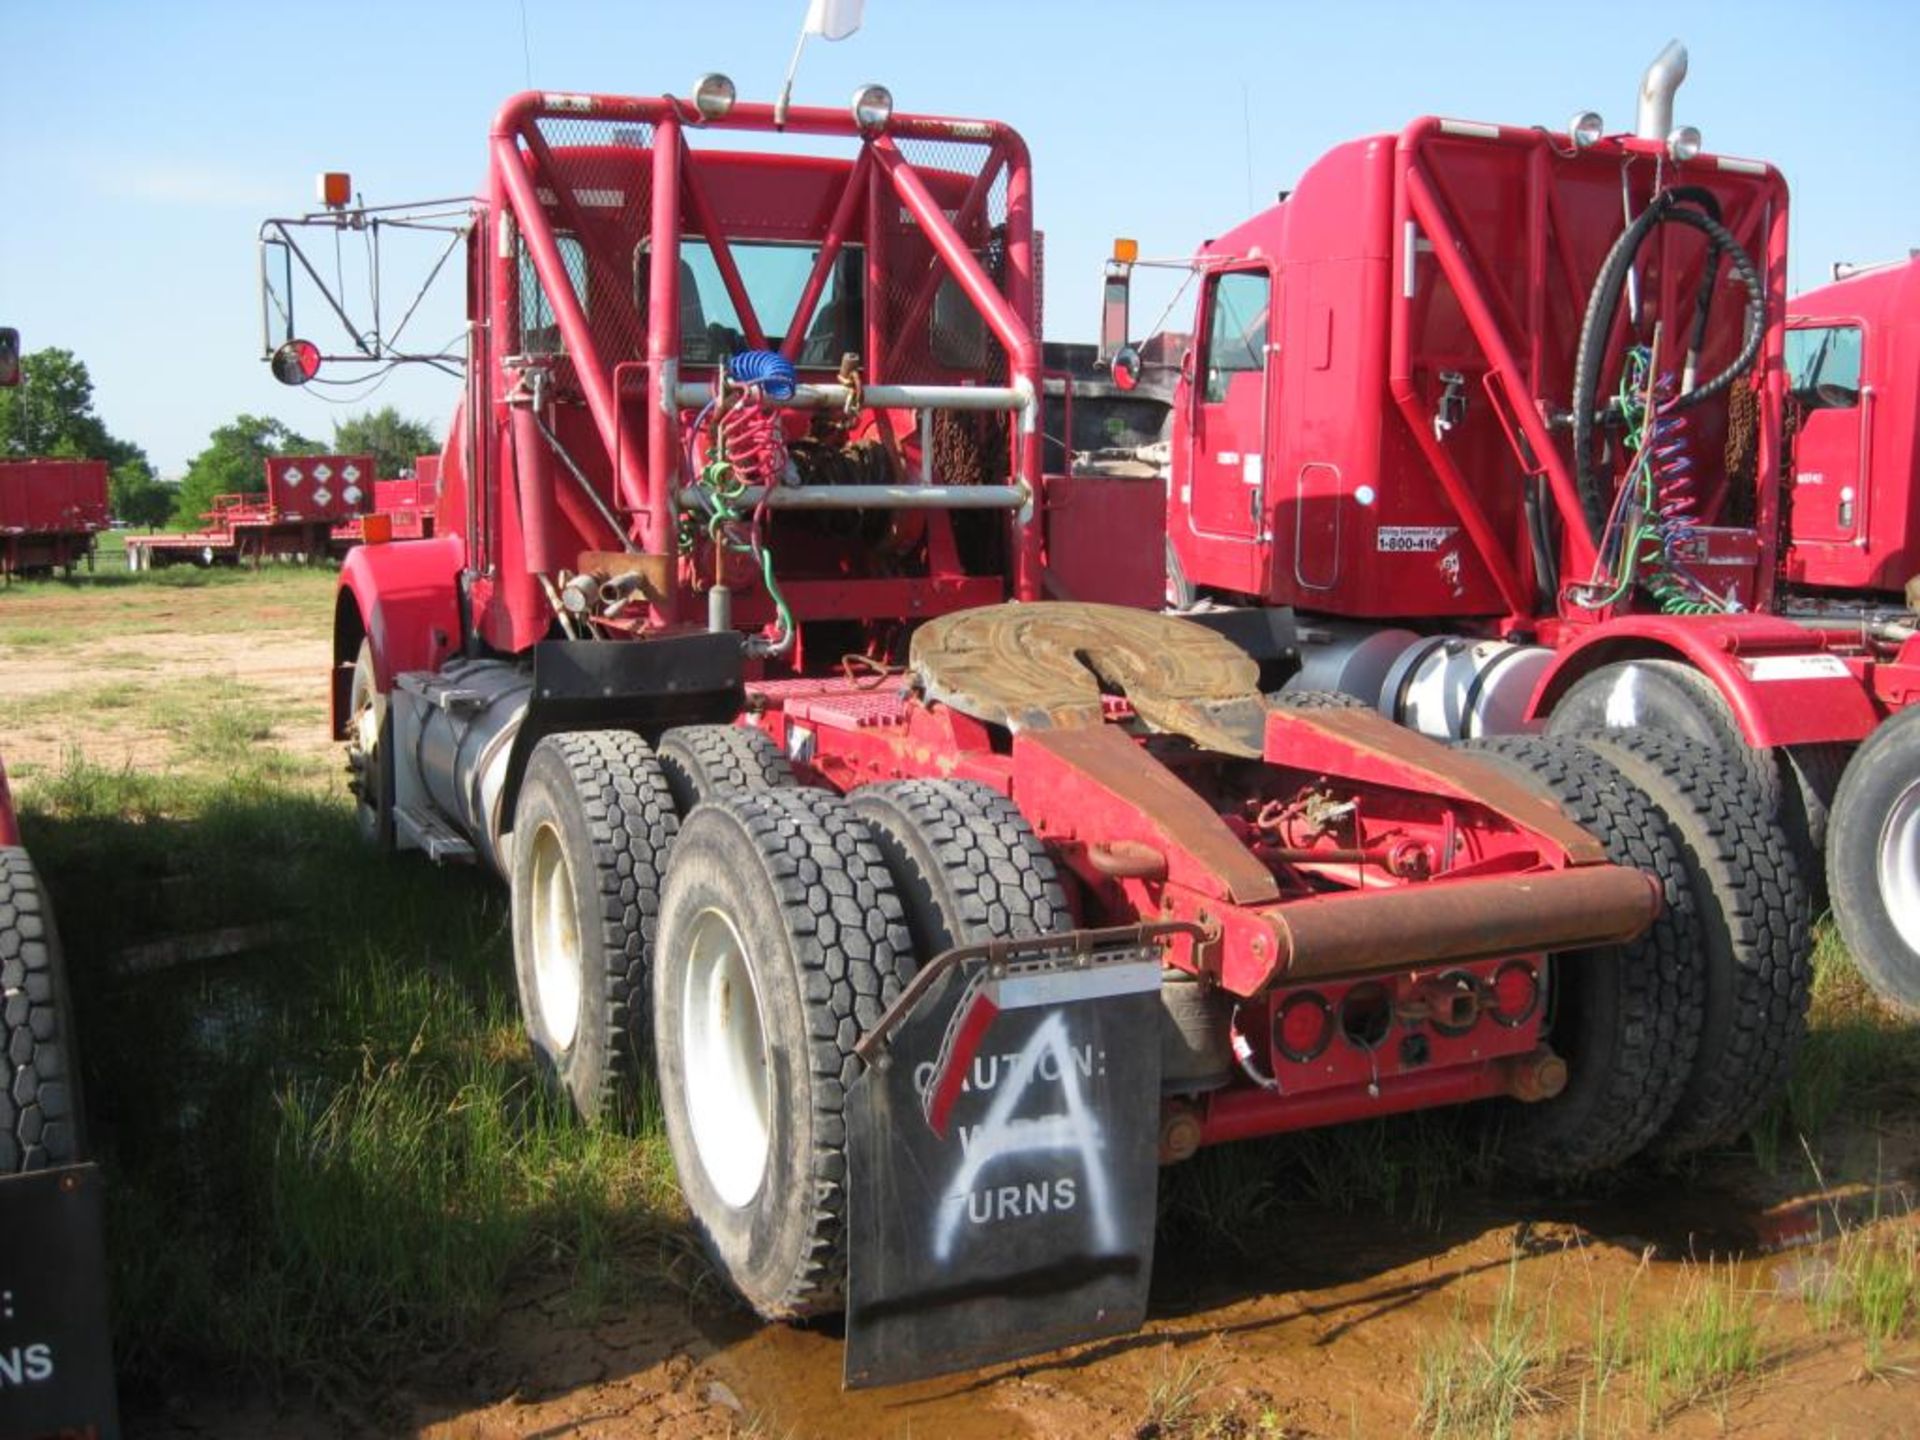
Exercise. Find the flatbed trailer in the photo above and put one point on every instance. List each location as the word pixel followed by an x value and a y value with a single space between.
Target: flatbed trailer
pixel 307 499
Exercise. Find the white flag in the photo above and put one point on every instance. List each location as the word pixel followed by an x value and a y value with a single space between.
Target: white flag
pixel 833 19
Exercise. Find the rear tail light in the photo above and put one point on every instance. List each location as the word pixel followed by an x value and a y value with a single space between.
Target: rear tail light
pixel 1516 993
pixel 1302 1027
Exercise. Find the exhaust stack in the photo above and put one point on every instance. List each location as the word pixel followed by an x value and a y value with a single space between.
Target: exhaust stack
pixel 1654 120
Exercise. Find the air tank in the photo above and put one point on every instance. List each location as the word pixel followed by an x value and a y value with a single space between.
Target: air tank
pixel 1454 689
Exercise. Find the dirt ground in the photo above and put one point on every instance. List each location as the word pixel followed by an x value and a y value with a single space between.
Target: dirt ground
pixel 1320 1332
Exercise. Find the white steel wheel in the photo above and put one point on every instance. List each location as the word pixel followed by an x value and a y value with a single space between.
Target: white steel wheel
pixel 1899 865
pixel 1873 859
pixel 554 933
pixel 723 1039
pixel 370 752
pixel 592 827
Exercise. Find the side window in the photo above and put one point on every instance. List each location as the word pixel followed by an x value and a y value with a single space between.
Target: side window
pixel 1236 329
pixel 539 329
pixel 1823 366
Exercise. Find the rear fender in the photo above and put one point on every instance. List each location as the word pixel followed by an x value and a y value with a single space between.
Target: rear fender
pixel 1783 687
pixel 405 598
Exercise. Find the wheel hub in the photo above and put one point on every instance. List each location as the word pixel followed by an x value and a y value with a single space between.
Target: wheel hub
pixel 1898 865
pixel 723 1038
pixel 555 935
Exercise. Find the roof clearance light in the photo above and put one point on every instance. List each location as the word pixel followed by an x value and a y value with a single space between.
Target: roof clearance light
pixel 872 107
pixel 1683 143
pixel 713 96
pixel 1586 128
pixel 1125 251
pixel 336 189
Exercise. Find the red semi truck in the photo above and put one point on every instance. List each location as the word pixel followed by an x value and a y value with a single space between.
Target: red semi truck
pixel 942 911
pixel 1461 440
pixel 50 513
pixel 1853 361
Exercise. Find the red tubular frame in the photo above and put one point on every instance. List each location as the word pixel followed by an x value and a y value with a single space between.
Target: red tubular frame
pixel 823 263
pixel 678 196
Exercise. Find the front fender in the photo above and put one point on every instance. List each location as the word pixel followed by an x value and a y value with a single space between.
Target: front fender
pixel 403 597
pixel 1784 688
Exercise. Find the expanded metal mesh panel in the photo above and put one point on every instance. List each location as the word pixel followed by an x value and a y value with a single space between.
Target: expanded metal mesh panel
pixel 600 204
pixel 953 338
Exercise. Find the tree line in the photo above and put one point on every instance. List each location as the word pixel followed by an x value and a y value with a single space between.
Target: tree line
pixel 50 415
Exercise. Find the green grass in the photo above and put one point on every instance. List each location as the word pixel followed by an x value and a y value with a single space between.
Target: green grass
pixel 331 1156
pixel 52 615
pixel 1485 1381
pixel 1643 1365
pixel 1698 1350
pixel 1860 1060
pixel 98 701
pixel 1872 1290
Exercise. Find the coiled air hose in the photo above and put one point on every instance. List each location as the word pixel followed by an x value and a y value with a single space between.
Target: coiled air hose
pixel 768 369
pixel 1697 208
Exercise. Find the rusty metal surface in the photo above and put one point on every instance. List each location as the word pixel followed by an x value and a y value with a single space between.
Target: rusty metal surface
pixel 1419 925
pixel 1042 667
pixel 1117 780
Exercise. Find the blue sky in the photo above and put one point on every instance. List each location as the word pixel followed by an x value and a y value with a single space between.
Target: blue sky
pixel 143 142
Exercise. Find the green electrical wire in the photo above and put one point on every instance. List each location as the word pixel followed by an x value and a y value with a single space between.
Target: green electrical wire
pixel 722 487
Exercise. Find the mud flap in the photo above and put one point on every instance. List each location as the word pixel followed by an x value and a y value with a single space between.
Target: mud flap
pixel 1003 1165
pixel 56 1362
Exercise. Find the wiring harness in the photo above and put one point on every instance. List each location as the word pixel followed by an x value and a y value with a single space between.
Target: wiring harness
pixel 745 448
pixel 1654 517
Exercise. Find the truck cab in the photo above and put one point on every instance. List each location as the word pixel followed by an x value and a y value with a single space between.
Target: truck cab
pixel 1853 361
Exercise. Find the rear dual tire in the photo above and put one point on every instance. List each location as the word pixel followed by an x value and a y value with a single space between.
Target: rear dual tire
pixel 1755 932
pixel 1625 1018
pixel 1794 784
pixel 40 1120
pixel 792 920
pixel 592 829
pixel 782 941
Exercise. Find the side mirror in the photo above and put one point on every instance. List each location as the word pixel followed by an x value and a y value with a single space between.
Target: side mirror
pixel 1115 300
pixel 296 362
pixel 1126 367
pixel 9 357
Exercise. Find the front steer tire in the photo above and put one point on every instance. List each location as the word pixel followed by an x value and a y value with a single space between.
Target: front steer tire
pixel 1626 1018
pixel 40 1123
pixel 591 832
pixel 782 941
pixel 370 753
